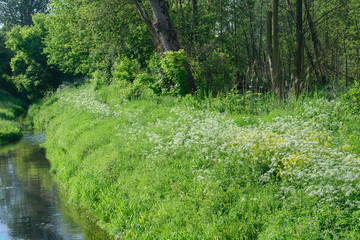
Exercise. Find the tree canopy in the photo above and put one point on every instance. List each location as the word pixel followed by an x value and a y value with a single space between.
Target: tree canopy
pixel 313 44
pixel 31 73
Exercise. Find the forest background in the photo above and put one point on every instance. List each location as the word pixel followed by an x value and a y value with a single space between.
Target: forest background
pixel 259 46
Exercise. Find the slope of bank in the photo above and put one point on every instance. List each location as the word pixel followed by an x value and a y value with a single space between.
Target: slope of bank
pixel 160 168
pixel 10 108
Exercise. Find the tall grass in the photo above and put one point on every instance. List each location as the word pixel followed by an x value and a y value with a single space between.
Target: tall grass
pixel 231 167
pixel 10 108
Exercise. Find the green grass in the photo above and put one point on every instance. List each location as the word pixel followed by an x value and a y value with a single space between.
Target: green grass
pixel 232 167
pixel 10 108
pixel 9 131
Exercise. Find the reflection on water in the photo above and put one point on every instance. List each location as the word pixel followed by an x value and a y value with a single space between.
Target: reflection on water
pixel 29 205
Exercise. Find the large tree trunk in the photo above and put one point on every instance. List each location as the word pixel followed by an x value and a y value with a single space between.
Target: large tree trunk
pixel 149 25
pixel 163 25
pixel 163 32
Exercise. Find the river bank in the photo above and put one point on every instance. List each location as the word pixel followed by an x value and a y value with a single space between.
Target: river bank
pixel 174 168
pixel 10 109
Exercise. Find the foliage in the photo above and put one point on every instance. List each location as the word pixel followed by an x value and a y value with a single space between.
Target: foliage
pixel 5 55
pixel 5 69
pixel 124 91
pixel 32 74
pixel 225 41
pixel 170 168
pixel 10 107
pixel 171 73
pixel 125 70
pixel 62 47
pixel 87 36
pixel 214 74
pixel 125 82
pixel 99 79
pixel 352 98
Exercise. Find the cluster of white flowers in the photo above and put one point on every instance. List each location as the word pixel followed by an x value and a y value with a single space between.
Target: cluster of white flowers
pixel 84 100
pixel 301 151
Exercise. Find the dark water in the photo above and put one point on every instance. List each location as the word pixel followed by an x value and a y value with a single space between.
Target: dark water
pixel 29 201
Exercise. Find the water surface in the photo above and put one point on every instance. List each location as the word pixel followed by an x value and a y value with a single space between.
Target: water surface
pixel 29 201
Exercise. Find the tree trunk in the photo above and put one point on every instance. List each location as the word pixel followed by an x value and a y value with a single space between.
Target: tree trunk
pixel 261 36
pixel 252 34
pixel 194 23
pixel 316 44
pixel 248 51
pixel 277 84
pixel 149 25
pixel 163 32
pixel 299 51
pixel 221 25
pixel 346 63
pixel 163 25
pixel 269 41
pixel 307 50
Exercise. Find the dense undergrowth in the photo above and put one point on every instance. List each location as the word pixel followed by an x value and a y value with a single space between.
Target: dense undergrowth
pixel 232 167
pixel 10 108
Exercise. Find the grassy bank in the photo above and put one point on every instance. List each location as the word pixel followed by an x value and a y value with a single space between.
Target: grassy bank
pixel 10 108
pixel 186 168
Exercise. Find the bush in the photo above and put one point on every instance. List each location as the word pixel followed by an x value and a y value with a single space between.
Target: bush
pixel 174 74
pixel 352 99
pixel 169 71
pixel 33 76
pixel 125 70
pixel 99 79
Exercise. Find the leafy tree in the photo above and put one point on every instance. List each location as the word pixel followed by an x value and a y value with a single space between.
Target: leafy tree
pixel 31 73
pixel 5 55
pixel 84 36
pixel 5 69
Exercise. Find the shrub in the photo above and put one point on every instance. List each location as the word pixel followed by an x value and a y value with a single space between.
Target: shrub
pixel 99 79
pixel 352 98
pixel 174 79
pixel 33 76
pixel 125 70
pixel 170 74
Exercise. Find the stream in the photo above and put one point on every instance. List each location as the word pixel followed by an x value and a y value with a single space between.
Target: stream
pixel 30 203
